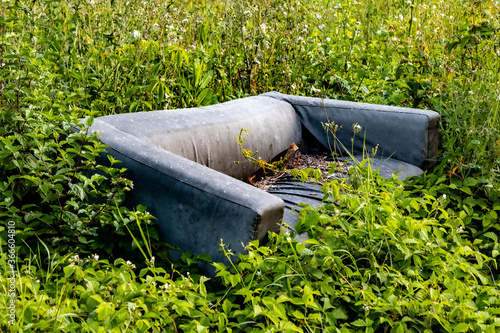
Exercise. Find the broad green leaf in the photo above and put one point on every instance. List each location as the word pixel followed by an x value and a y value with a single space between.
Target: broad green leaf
pixel 469 181
pixel 340 313
pixel 105 310
pixel 461 327
pixel 131 91
pixel 227 306
pixel 133 107
pixel 78 190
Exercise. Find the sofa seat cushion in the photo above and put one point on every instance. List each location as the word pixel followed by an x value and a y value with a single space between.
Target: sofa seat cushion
pixel 296 193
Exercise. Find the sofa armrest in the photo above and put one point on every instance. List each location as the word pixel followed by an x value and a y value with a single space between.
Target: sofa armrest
pixel 195 206
pixel 406 134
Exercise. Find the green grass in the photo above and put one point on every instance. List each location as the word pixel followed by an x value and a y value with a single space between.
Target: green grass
pixel 65 60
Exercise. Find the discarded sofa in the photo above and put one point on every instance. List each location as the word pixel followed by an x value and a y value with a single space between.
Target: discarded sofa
pixel 188 169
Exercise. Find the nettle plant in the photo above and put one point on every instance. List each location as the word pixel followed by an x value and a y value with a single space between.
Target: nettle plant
pixel 54 184
pixel 379 258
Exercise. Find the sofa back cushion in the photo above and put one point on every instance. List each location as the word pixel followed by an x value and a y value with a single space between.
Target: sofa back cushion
pixel 406 134
pixel 208 135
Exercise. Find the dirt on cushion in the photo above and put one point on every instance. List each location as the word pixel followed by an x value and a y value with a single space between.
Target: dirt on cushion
pixel 323 162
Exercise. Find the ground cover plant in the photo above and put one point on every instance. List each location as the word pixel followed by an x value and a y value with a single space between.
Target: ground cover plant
pixel 385 256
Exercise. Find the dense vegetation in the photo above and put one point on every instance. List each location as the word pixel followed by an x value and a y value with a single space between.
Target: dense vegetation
pixel 387 257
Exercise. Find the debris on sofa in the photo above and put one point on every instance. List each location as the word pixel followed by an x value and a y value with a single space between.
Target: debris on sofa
pixel 323 162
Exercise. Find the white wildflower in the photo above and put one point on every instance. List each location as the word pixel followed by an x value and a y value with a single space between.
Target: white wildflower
pixel 328 39
pixel 315 90
pixel 96 257
pixel 428 244
pixel 263 27
pixel 401 17
pixel 357 128
pixel 136 34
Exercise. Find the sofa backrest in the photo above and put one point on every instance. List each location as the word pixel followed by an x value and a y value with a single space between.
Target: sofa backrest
pixel 208 135
pixel 406 134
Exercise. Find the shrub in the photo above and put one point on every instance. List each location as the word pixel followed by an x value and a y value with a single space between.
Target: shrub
pixel 379 258
pixel 52 184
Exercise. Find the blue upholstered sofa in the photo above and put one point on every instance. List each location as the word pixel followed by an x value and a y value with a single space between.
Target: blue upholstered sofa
pixel 183 162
